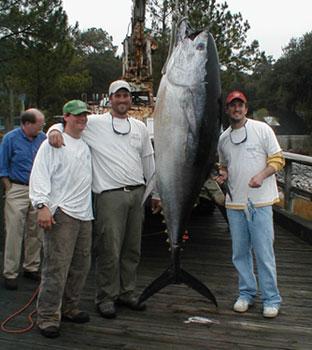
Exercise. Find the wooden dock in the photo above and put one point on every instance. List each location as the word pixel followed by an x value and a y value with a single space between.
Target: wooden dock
pixel 164 324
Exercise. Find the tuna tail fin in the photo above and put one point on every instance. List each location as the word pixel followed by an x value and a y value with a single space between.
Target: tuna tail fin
pixel 197 285
pixel 176 276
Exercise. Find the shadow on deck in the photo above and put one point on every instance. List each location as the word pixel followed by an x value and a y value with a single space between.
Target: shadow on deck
pixel 207 255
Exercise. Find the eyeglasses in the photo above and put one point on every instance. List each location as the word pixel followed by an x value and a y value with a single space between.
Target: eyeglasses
pixel 242 141
pixel 40 125
pixel 119 132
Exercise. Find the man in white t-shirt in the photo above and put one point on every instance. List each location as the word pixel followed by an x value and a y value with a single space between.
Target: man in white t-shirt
pixel 122 161
pixel 250 155
pixel 60 189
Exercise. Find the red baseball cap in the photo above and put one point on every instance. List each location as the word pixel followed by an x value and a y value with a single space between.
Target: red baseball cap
pixel 236 94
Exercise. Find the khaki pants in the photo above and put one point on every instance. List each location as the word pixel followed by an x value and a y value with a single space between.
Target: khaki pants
pixel 117 242
pixel 21 225
pixel 65 266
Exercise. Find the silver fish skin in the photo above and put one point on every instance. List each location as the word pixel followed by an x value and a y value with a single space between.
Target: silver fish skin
pixel 187 126
pixel 187 121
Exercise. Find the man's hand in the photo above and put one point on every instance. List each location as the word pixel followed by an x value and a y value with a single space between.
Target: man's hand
pixel 56 139
pixel 256 181
pixel 223 175
pixel 7 184
pixel 45 218
pixel 156 208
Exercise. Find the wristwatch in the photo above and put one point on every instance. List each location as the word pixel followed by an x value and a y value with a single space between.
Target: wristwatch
pixel 40 206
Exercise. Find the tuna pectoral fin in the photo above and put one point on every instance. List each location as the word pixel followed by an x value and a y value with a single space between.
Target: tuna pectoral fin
pixel 189 109
pixel 150 186
pixel 172 276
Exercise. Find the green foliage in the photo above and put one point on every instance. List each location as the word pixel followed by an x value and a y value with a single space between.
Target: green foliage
pixel 96 48
pixel 229 31
pixel 285 84
pixel 93 41
pixel 37 52
pixel 293 73
pixel 260 114
pixel 49 61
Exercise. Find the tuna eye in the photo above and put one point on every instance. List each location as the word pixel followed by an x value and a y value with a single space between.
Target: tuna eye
pixel 200 46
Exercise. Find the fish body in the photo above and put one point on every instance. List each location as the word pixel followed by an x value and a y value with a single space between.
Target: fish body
pixel 186 130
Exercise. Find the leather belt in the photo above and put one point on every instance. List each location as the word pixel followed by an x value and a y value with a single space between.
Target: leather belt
pixel 125 188
pixel 19 182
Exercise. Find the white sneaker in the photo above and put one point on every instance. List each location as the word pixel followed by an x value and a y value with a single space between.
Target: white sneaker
pixel 241 305
pixel 270 311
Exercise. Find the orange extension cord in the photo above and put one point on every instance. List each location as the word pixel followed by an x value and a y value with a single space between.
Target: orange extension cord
pixel 32 323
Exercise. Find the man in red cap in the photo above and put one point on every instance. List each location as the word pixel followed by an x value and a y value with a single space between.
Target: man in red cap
pixel 250 155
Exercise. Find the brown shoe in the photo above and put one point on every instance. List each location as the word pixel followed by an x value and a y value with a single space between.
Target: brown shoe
pixel 10 283
pixel 107 309
pixel 50 332
pixel 33 275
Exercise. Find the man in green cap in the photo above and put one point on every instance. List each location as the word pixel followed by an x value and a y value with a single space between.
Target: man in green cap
pixel 60 189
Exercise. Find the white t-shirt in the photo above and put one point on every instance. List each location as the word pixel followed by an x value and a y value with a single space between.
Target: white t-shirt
pixel 247 159
pixel 117 160
pixel 62 177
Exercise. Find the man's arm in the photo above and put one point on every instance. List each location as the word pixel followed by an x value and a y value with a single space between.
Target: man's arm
pixel 55 135
pixel 148 164
pixel 7 184
pixel 40 185
pixel 5 156
pixel 275 163
pixel 257 180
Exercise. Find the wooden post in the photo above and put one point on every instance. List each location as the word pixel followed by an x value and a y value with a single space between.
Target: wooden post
pixel 287 182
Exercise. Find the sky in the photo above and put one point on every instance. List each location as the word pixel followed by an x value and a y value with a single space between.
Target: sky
pixel 273 22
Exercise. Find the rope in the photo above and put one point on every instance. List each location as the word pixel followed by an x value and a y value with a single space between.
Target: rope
pixel 32 323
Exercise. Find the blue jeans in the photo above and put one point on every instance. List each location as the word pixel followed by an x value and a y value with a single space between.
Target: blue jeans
pixel 256 234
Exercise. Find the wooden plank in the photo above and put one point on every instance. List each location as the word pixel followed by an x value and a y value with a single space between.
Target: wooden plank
pixel 207 255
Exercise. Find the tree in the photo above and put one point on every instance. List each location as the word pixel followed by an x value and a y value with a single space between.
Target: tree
pixel 293 73
pixel 93 40
pixel 285 85
pixel 37 53
pixel 10 34
pixel 96 48
pixel 229 31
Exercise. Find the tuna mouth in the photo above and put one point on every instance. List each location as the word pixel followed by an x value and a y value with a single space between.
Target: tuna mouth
pixel 193 33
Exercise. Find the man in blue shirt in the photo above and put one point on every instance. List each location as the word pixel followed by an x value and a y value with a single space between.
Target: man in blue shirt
pixel 17 153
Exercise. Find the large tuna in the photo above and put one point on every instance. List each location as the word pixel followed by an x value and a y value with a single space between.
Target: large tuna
pixel 187 126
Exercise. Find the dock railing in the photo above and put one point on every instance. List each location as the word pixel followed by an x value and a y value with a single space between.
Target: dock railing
pixel 290 191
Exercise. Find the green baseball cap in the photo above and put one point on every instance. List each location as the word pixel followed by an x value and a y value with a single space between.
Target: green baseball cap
pixel 75 107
